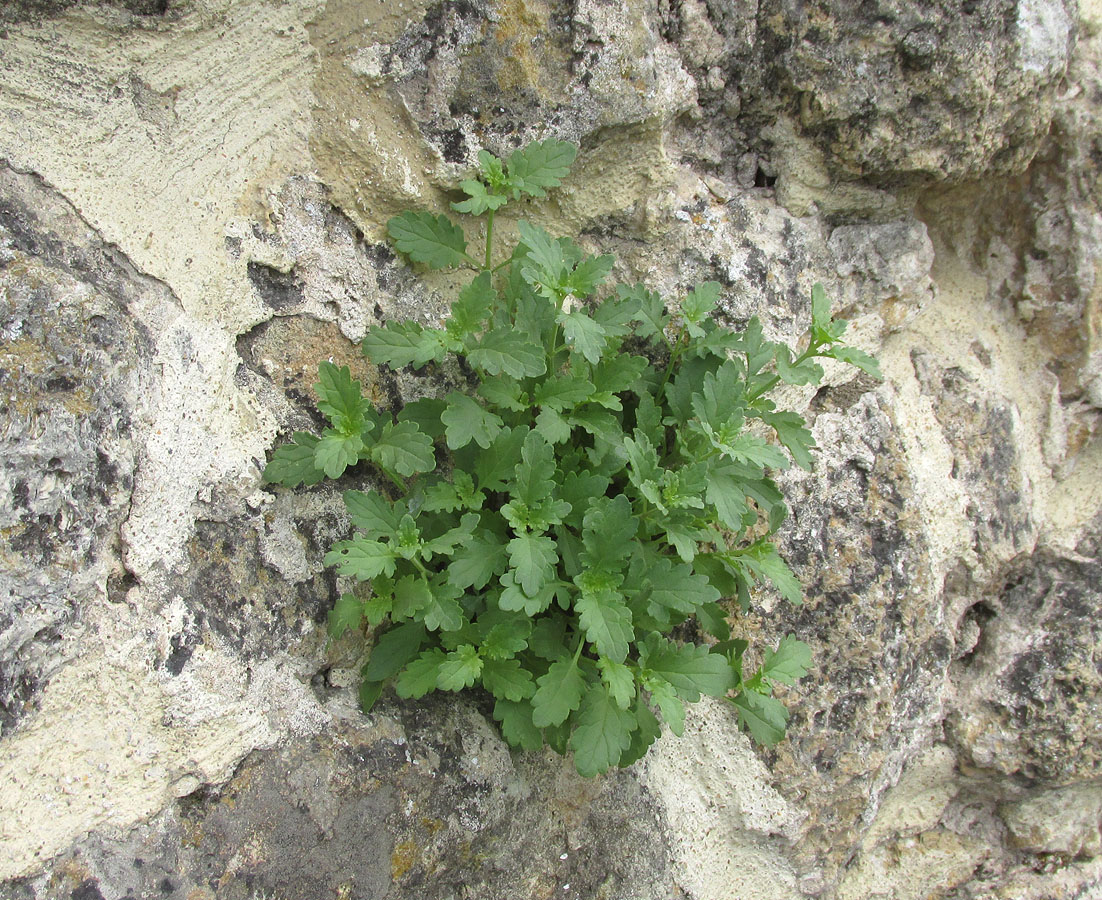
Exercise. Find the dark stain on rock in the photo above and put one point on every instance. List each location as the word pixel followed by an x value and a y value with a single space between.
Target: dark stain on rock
pixel 231 592
pixel 87 890
pixel 280 291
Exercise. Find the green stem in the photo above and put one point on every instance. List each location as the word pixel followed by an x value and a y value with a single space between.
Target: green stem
pixel 489 238
pixel 395 479
pixel 676 349
pixel 809 353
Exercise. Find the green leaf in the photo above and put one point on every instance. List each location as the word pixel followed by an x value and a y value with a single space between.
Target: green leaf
pixel 474 305
pixel 412 594
pixel 764 717
pixel 293 463
pixel 583 334
pixel 675 587
pixel 554 428
pixel 465 421
pixel 405 449
pixel 369 692
pixel 506 679
pixel 399 344
pixel 373 515
pixel 579 487
pixel 561 392
pixel 765 493
pixel 807 372
pixel 420 676
pixel 691 669
pixel 606 620
pixel 788 663
pixel 820 307
pixel 393 650
pixel 673 710
pixel 858 358
pixel 434 240
pixel 361 558
pixel 608 437
pixel 503 392
pixel 448 496
pixel 516 724
pixel 607 532
pixel 340 398
pixel 727 494
pixel 493 169
pixel 684 538
pixel 479 199
pixel 763 560
pixel 621 372
pixel 558 693
pixel 713 620
pixel 379 605
pixel 700 301
pixel 603 732
pixel 647 309
pixel 425 414
pixel 335 452
pixel 533 559
pixel 460 669
pixel 792 433
pixel 443 613
pixel 499 464
pixel 534 474
pixel 506 638
pixel 642 459
pixel 589 273
pixel 510 352
pixel 540 165
pixel 620 681
pixel 545 256
pixel 476 561
pixel 514 599
pixel 347 613
pixel 750 448
pixel 648 730
pixel 548 636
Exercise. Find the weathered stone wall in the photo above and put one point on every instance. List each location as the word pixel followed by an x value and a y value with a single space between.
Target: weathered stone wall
pixel 192 199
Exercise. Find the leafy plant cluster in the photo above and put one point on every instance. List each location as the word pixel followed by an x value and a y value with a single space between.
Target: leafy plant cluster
pixel 605 480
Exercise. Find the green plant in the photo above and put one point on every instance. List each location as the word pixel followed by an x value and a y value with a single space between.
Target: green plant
pixel 605 480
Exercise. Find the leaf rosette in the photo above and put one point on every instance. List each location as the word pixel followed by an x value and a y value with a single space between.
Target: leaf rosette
pixel 607 478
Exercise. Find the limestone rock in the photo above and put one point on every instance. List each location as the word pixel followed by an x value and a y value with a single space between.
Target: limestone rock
pixel 71 403
pixel 193 209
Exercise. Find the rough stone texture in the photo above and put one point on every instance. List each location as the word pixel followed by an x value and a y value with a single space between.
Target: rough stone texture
pixel 70 405
pixel 417 803
pixel 193 198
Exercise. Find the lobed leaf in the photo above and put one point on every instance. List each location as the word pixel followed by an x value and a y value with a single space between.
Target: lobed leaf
pixel 558 693
pixel 507 352
pixel 788 663
pixel 405 449
pixel 465 421
pixel 603 732
pixel 293 464
pixel 435 241
pixel 399 344
pixel 540 165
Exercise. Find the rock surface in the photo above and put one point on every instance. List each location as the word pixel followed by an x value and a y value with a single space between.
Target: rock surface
pixel 193 197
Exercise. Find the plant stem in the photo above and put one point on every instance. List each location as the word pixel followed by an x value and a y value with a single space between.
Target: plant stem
pixel 676 350
pixel 809 353
pixel 489 238
pixel 395 479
